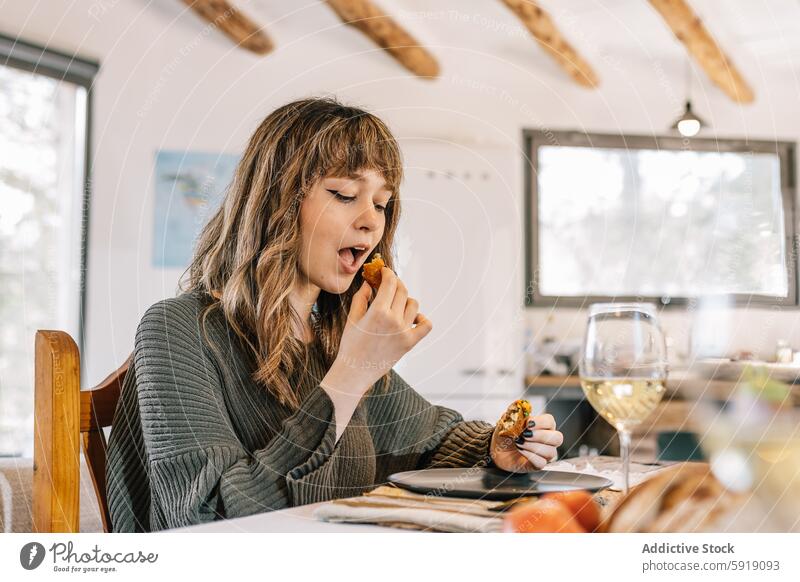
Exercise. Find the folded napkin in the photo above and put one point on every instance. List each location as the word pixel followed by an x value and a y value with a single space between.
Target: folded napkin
pixel 391 506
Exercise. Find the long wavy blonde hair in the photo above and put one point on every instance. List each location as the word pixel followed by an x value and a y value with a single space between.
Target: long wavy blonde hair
pixel 247 256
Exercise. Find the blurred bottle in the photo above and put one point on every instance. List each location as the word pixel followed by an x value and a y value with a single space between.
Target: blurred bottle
pixel 783 353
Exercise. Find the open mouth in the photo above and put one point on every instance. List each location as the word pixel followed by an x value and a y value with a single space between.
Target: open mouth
pixel 352 256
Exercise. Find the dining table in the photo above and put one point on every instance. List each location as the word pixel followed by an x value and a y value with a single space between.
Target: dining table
pixel 300 519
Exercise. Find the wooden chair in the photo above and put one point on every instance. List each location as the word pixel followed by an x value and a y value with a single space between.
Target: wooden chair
pixel 65 416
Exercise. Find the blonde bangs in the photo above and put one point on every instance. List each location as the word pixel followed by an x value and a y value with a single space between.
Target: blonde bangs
pixel 359 143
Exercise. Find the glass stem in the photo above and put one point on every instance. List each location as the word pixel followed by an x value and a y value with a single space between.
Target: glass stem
pixel 625 447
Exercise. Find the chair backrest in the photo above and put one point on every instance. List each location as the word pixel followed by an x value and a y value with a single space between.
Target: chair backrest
pixel 67 418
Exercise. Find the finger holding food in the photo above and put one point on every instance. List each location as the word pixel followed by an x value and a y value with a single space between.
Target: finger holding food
pixel 537 453
pixel 386 292
pixel 400 299
pixel 543 436
pixel 535 461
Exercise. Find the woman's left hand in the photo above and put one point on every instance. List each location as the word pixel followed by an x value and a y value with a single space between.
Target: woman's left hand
pixel 533 450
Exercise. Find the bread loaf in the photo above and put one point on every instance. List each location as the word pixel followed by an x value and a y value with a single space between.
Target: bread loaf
pixel 683 498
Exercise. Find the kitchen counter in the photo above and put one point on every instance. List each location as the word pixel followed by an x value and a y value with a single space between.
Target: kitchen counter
pixel 569 387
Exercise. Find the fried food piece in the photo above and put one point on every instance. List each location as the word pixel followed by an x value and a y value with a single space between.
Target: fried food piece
pixel 372 271
pixel 514 419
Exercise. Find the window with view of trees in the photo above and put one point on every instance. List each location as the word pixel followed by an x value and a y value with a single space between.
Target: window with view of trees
pixel 44 98
pixel 661 219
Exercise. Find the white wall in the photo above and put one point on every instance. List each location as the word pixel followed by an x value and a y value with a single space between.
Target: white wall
pixel 168 81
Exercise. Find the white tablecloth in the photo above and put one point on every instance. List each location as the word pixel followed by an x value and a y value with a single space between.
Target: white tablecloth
pixel 292 520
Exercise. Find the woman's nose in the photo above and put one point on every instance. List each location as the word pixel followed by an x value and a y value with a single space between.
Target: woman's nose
pixel 368 219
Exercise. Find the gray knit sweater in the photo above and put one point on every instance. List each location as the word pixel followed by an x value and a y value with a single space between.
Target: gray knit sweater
pixel 194 439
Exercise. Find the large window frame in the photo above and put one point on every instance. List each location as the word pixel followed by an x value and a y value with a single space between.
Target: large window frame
pixel 62 66
pixel 535 139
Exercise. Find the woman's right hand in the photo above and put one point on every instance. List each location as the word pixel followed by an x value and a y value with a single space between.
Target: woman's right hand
pixel 378 334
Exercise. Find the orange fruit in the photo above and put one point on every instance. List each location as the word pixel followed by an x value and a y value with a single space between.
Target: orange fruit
pixel 582 506
pixel 541 516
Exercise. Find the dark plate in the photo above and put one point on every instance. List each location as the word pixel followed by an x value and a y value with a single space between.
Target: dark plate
pixel 482 483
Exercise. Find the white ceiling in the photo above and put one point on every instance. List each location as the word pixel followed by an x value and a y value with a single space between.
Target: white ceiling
pixel 761 36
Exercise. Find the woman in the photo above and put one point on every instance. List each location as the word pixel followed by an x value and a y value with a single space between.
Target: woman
pixel 268 382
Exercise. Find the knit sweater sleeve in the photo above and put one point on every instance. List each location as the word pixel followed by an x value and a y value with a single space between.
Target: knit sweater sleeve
pixel 199 470
pixel 442 437
pixel 459 442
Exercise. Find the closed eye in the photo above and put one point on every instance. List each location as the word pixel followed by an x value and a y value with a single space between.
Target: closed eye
pixel 341 196
pixel 347 199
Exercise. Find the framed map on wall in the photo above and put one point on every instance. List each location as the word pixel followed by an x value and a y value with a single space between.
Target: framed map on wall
pixel 189 187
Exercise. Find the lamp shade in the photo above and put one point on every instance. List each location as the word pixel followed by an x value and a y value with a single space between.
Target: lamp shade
pixel 688 124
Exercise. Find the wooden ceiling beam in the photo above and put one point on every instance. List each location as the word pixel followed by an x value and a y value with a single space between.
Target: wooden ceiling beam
pixel 689 29
pixel 545 31
pixel 231 21
pixel 387 34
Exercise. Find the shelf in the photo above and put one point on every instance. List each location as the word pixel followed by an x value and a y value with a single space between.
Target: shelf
pixel 679 387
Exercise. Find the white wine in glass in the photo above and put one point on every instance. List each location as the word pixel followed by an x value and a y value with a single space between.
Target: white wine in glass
pixel 623 402
pixel 623 367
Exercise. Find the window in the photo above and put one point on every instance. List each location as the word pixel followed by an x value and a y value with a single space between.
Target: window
pixel 44 113
pixel 658 218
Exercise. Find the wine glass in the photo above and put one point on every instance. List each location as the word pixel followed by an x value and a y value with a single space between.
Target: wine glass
pixel 623 367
